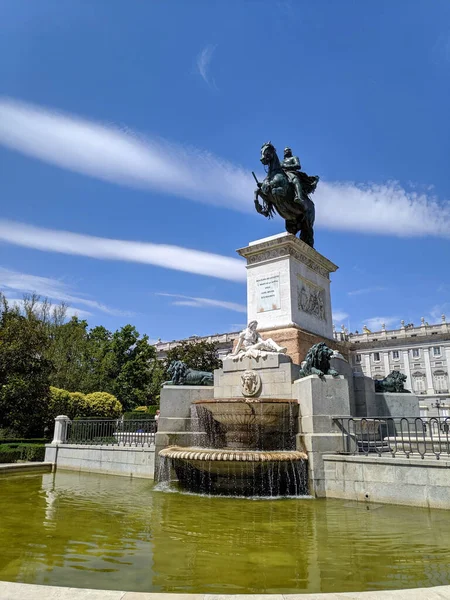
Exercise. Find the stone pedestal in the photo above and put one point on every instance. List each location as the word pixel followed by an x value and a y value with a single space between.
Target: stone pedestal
pixel 60 432
pixel 276 373
pixel 319 401
pixel 175 421
pixel 288 285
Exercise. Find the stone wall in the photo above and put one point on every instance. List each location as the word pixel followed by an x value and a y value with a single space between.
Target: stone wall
pixel 320 399
pixel 414 482
pixel 115 460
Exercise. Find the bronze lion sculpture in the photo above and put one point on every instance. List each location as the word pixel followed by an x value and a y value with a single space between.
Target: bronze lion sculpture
pixel 181 374
pixel 317 362
pixel 393 383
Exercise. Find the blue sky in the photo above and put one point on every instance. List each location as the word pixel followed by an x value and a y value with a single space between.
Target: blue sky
pixel 134 126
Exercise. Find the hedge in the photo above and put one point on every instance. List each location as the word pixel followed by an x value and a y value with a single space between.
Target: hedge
pixel 11 453
pixel 24 441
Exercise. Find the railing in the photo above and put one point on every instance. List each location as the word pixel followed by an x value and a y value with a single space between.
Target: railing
pixel 111 432
pixel 398 436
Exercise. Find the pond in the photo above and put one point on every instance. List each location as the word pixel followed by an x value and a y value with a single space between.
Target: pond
pixel 100 531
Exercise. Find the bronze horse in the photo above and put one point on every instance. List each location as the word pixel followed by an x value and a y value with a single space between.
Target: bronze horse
pixel 278 195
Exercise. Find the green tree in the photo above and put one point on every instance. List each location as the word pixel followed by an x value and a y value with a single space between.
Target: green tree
pixel 24 366
pixel 197 355
pixel 99 357
pixel 67 351
pixel 130 367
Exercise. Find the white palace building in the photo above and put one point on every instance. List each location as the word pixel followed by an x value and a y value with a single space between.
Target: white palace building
pixel 422 353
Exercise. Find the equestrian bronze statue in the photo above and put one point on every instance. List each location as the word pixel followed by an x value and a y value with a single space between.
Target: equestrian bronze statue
pixel 286 190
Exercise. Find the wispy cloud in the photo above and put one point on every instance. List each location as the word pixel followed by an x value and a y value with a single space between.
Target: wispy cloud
pixel 339 316
pixel 53 289
pixel 375 323
pixel 111 154
pixel 204 62
pixel 368 290
pixel 161 255
pixel 195 302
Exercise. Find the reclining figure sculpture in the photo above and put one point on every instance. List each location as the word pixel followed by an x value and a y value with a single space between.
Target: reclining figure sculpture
pixel 250 344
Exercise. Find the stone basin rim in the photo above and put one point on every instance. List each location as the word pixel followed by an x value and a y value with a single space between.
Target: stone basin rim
pixel 246 400
pixel 230 455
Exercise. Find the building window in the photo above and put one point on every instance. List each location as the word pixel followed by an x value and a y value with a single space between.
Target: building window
pixel 376 356
pixel 440 382
pixel 419 383
pixel 423 411
pixel 358 358
pixel 395 354
pixel 416 352
pixel 436 351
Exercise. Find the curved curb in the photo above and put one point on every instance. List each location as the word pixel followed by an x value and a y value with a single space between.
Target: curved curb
pixel 25 591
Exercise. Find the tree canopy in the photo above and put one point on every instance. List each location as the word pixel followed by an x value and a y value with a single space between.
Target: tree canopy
pixel 40 347
pixel 199 355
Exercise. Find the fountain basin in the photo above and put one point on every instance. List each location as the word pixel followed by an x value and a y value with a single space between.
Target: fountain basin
pixel 253 423
pixel 249 411
pixel 239 472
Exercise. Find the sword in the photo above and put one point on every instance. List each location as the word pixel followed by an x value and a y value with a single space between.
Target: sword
pixel 256 179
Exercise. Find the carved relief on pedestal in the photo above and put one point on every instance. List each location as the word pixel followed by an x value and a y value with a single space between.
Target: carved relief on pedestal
pixel 311 298
pixel 271 254
pixel 250 383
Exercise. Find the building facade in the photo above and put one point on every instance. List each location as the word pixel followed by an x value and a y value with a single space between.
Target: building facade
pixel 422 353
pixel 224 343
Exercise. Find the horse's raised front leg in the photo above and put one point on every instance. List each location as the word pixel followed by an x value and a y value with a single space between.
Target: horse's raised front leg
pixel 263 210
pixel 258 206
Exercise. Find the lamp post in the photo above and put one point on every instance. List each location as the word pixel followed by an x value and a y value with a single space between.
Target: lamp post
pixel 438 404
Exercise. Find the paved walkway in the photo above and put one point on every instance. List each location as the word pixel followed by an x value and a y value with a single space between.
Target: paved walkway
pixel 22 591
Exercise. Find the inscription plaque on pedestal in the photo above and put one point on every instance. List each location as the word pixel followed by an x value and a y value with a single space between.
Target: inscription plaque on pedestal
pixel 268 293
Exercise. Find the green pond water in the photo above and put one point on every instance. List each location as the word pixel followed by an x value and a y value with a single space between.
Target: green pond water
pixel 99 531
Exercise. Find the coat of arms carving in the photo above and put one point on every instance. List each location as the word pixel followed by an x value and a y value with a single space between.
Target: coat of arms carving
pixel 250 383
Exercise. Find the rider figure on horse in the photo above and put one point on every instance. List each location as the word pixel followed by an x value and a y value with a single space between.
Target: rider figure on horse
pixel 291 166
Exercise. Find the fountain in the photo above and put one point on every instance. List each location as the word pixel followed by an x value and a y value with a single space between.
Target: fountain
pixel 250 443
pixel 252 450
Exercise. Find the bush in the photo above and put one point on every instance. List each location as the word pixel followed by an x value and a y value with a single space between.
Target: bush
pixel 103 405
pixel 71 404
pixel 78 405
pixel 11 453
pixel 32 452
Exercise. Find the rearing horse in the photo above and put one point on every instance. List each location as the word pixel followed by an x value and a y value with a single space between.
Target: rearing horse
pixel 278 194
